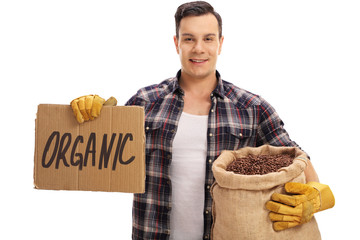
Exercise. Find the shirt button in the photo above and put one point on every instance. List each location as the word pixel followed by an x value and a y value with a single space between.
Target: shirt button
pixel 240 134
pixel 212 110
pixel 210 161
pixel 208 187
pixel 206 212
pixel 147 128
pixel 167 231
pixel 210 134
pixel 211 95
pixel 206 236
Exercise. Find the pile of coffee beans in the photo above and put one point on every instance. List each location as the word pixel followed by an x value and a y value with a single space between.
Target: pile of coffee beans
pixel 259 164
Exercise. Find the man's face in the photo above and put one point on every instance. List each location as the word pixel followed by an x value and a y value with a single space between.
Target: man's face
pixel 198 45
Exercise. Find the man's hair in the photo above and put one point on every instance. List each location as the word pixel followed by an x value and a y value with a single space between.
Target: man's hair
pixel 197 8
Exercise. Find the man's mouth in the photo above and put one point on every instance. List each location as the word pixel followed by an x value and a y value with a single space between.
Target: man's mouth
pixel 198 60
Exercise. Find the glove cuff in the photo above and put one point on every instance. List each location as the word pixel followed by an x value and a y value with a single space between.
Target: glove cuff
pixel 327 199
pixel 110 102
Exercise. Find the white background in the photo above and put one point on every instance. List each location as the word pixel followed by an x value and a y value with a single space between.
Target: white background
pixel 301 56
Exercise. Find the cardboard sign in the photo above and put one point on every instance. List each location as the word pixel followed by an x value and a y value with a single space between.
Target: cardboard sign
pixel 106 154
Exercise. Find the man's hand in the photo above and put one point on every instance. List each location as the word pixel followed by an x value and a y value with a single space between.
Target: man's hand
pixel 291 210
pixel 88 107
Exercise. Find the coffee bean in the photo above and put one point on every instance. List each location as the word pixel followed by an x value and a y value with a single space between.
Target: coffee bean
pixel 259 164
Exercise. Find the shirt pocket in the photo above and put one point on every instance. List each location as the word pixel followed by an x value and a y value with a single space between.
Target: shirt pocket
pixel 154 132
pixel 237 136
pixel 159 136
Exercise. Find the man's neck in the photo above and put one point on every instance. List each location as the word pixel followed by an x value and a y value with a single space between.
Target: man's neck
pixel 197 93
pixel 199 86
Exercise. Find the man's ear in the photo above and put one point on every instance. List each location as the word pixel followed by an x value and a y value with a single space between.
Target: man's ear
pixel 221 43
pixel 176 42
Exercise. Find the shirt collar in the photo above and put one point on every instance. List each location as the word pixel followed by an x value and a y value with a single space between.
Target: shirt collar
pixel 219 89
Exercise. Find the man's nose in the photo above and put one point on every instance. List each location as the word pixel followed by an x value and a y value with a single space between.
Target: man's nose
pixel 198 47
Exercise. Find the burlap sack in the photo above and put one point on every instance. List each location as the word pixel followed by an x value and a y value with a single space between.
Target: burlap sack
pixel 239 210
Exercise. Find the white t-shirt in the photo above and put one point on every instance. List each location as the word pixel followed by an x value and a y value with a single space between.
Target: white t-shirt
pixel 187 172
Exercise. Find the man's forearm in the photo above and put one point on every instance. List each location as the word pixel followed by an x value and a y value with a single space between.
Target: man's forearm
pixel 310 173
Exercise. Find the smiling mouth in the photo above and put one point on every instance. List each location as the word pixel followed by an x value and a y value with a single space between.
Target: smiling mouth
pixel 198 60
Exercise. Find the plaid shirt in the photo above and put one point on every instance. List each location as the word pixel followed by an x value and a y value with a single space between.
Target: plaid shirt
pixel 237 118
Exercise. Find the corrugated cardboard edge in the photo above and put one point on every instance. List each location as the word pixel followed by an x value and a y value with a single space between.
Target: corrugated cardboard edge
pixel 144 152
pixel 143 171
pixel 35 149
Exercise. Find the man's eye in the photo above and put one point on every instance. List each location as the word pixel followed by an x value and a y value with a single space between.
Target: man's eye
pixel 188 39
pixel 208 39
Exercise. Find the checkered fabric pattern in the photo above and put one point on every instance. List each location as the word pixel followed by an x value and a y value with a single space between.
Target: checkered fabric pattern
pixel 237 118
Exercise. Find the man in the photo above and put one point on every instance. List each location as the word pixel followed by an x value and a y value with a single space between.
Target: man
pixel 189 120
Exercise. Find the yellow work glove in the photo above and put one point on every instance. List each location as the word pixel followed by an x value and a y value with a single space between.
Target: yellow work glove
pixel 306 199
pixel 88 107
